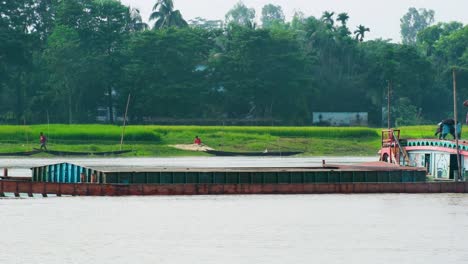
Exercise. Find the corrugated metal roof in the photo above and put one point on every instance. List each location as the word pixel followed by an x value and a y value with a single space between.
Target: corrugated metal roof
pixel 374 166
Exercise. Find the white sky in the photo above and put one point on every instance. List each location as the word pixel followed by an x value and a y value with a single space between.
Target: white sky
pixel 381 16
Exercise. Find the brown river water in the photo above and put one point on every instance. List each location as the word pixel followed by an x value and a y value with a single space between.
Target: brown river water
pixel 385 228
pixel 377 228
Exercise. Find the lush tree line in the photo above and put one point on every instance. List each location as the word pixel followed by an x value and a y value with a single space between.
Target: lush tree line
pixel 63 60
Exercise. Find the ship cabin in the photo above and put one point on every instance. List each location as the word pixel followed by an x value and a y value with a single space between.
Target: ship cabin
pixel 438 156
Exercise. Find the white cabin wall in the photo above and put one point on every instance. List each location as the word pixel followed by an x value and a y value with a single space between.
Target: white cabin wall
pixel 439 162
pixel 441 165
pixel 417 160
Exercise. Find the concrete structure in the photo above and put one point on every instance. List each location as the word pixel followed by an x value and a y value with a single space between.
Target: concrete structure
pixel 340 118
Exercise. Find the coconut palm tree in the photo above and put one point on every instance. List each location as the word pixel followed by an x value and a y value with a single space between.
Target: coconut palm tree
pixel 327 18
pixel 136 23
pixel 343 18
pixel 166 16
pixel 360 32
pixel 343 29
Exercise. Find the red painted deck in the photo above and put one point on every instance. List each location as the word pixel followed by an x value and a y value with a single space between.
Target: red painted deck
pixel 59 189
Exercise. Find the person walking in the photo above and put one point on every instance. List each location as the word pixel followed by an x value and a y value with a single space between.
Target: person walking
pixel 43 141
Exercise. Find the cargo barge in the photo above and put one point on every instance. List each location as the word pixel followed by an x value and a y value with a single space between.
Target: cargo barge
pixel 376 177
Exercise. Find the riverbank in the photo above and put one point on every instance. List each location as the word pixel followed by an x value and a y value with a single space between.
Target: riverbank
pixel 157 141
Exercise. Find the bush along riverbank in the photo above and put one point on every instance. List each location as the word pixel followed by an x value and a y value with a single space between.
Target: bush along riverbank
pixel 158 140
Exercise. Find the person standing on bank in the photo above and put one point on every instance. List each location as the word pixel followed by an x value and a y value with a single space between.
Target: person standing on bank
pixel 43 141
pixel 197 141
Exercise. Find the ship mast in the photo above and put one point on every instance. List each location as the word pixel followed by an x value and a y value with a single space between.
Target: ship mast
pixel 389 89
pixel 454 76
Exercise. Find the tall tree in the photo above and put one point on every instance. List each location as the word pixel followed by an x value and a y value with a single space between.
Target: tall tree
pixel 428 37
pixel 166 73
pixel 272 14
pixel 16 47
pixel 241 15
pixel 327 18
pixel 343 19
pixel 64 59
pixel 360 32
pixel 414 21
pixel 112 21
pixel 166 16
pixel 136 22
pixel 254 72
pixel 44 18
pixel 298 20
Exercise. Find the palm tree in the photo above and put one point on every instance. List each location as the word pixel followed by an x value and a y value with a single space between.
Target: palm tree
pixel 343 18
pixel 327 18
pixel 343 29
pixel 360 32
pixel 166 16
pixel 136 23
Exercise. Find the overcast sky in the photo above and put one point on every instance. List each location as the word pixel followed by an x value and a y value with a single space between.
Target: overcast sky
pixel 381 16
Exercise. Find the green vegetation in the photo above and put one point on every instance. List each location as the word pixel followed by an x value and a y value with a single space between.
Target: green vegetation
pixel 418 131
pixel 63 62
pixel 156 140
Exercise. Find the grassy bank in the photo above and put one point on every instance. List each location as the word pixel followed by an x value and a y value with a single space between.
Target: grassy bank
pixel 156 140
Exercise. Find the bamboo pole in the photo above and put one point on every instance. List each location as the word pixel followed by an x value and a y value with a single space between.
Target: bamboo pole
pixel 454 77
pixel 48 126
pixel 388 103
pixel 124 122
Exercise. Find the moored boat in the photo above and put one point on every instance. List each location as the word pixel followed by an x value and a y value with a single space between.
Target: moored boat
pixel 82 153
pixel 20 153
pixel 438 156
pixel 253 154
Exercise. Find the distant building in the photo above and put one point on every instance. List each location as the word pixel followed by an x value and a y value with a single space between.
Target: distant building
pixel 340 118
pixel 104 112
pixel 206 24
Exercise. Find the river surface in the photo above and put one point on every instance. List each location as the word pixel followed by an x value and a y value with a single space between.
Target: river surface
pixel 364 229
pixel 270 229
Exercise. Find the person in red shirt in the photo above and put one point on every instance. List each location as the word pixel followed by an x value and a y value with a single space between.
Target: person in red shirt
pixel 43 141
pixel 197 141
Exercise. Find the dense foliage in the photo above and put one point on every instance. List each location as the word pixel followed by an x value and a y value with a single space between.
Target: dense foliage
pixel 63 61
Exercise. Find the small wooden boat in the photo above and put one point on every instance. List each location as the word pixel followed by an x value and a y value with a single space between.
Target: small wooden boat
pixel 21 153
pixel 253 154
pixel 78 153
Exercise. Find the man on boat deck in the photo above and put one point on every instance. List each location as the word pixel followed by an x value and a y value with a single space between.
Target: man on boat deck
pixel 445 130
pixel 445 127
pixel 458 129
pixel 197 141
pixel 43 141
pixel 439 130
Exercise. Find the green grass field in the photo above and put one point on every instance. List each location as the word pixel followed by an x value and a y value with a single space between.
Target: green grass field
pixel 156 140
